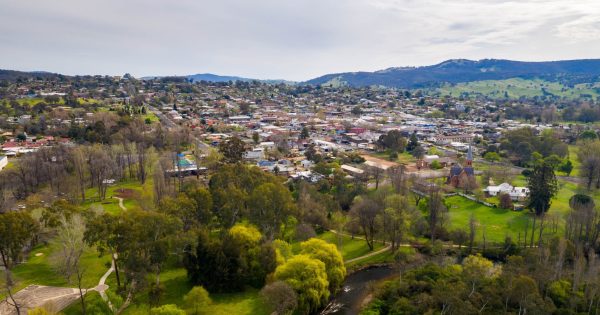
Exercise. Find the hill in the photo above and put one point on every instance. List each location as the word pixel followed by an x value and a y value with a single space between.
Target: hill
pixel 568 72
pixel 12 75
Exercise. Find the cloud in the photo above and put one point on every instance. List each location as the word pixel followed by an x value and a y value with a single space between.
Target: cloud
pixel 286 39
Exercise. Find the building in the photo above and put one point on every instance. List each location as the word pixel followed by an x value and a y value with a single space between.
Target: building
pixel 515 193
pixel 459 174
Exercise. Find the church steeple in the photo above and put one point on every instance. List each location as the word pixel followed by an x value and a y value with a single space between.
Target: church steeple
pixel 470 156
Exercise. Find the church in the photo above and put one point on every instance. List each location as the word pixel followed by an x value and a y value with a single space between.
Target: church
pixel 459 174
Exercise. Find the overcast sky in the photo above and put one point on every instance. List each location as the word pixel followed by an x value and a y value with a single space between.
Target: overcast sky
pixel 289 39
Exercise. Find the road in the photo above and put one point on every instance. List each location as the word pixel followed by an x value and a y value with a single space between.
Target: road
pixel 168 123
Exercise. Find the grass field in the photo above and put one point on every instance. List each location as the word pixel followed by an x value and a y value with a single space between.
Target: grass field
pixel 38 268
pixel 403 158
pixel 516 87
pixel 348 247
pixel 497 223
pixel 500 223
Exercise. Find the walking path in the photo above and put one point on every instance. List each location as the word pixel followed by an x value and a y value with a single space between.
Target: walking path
pixel 59 297
pixel 121 205
pixel 386 248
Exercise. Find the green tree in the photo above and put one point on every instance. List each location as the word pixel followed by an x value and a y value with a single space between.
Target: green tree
pixel 588 135
pixel 196 300
pixel 17 230
pixel 304 134
pixel 232 149
pixel 436 165
pixel 477 269
pixel 308 277
pixel 543 186
pixel 566 167
pixel 491 156
pixel 269 204
pixel 204 205
pixel 413 142
pixel 328 254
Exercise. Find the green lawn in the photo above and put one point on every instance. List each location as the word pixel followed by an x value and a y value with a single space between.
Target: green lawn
pixel 403 158
pixel 111 205
pixel 38 269
pixel 177 285
pixel 348 247
pixel 517 87
pixel 497 223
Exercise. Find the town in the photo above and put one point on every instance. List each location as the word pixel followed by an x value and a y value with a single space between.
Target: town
pixel 369 175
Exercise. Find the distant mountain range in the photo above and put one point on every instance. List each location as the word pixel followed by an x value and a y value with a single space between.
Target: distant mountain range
pixel 209 77
pixel 462 70
pixel 455 71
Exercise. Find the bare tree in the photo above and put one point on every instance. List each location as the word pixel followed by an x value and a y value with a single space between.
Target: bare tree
pixel 364 213
pixel 71 239
pixel 397 178
pixel 437 211
pixel 80 169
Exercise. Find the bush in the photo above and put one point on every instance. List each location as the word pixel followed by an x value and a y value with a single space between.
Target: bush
pixel 506 201
pixel 280 297
pixel 167 309
pixel 196 300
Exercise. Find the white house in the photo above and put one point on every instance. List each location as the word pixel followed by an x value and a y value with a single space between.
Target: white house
pixel 3 162
pixel 515 193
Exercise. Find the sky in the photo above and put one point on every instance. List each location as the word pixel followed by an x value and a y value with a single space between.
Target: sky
pixel 286 39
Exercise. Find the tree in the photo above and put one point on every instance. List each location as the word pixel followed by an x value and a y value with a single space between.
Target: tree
pixel 255 137
pixel 589 157
pixel 566 167
pixel 588 135
pixel 397 178
pixel 436 216
pixel 459 237
pixel 196 300
pixel 204 205
pixel 418 152
pixel 580 221
pixel 17 230
pixel 269 204
pixel 396 218
pixel 308 277
pixel 506 201
pixel 435 165
pixel 304 134
pixel 102 231
pixel 167 309
pixel 477 269
pixel 377 173
pixel 492 156
pixel 311 153
pixel 413 142
pixel 280 297
pixel 364 212
pixel 542 186
pixel 472 230
pixel 72 244
pixel 80 168
pixel 232 149
pixel 393 140
pixel 328 254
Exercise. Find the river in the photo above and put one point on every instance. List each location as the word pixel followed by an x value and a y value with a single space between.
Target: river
pixel 354 290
